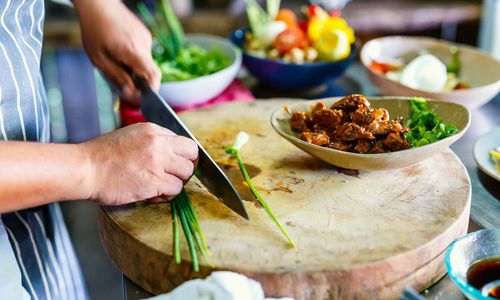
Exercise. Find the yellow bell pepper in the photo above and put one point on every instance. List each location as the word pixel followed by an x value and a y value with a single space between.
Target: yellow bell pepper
pixel 331 36
pixel 333 45
pixel 317 26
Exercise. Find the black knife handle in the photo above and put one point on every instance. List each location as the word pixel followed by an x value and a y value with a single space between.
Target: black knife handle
pixel 140 82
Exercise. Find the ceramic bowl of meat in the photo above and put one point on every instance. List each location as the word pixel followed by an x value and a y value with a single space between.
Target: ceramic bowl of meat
pixel 286 76
pixel 479 71
pixel 339 153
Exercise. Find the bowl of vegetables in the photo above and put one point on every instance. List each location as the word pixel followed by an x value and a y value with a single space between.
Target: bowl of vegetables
pixel 203 70
pixel 195 67
pixel 286 52
pixel 427 67
pixel 379 133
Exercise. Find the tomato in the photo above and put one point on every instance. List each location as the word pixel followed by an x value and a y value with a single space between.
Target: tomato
pixel 377 68
pixel 303 24
pixel 382 68
pixel 292 37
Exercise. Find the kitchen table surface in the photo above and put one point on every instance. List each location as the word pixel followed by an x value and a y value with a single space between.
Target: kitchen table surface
pixel 485 210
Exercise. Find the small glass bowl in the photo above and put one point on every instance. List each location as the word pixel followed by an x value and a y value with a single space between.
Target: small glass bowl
pixel 467 250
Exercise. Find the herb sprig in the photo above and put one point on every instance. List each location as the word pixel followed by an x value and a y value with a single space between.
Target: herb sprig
pixel 234 151
pixel 425 126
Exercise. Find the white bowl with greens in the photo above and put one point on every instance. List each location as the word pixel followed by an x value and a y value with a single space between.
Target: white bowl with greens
pixel 196 67
pixel 184 89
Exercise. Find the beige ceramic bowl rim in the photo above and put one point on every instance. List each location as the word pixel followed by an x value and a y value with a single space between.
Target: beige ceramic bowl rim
pixel 277 128
pixel 474 50
pixel 236 61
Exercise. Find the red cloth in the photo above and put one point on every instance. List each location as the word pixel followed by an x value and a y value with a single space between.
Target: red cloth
pixel 236 91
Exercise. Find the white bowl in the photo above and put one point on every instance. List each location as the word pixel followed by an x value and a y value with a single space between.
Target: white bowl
pixel 202 89
pixel 479 70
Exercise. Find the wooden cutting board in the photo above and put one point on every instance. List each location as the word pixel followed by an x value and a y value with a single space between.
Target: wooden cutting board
pixel 365 235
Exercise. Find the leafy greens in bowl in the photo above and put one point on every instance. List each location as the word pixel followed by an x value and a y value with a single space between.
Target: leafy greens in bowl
pixel 200 89
pixel 195 68
pixel 192 62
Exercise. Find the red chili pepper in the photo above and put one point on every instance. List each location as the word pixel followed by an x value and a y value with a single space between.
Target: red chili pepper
pixel 313 10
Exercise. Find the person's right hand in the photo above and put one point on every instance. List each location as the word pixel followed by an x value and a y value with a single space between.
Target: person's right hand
pixel 138 162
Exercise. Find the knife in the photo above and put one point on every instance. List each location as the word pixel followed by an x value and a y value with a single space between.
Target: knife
pixel 156 110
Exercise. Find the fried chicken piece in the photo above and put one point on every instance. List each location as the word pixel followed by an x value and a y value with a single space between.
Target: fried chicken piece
pixel 315 138
pixel 338 145
pixel 385 127
pixel 320 129
pixel 328 117
pixel 351 103
pixel 299 121
pixel 318 106
pixel 377 147
pixel 352 132
pixel 395 142
pixel 362 146
pixel 364 115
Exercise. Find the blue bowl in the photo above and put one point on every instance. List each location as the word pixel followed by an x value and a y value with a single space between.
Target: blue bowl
pixel 467 250
pixel 288 76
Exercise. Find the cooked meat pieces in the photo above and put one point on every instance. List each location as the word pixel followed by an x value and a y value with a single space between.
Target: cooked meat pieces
pixel 377 147
pixel 298 121
pixel 395 142
pixel 385 127
pixel 317 106
pixel 351 125
pixel 362 146
pixel 364 115
pixel 351 103
pixel 352 132
pixel 338 145
pixel 328 117
pixel 315 138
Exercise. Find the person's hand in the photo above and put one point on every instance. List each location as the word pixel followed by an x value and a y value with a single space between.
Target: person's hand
pixel 138 162
pixel 113 36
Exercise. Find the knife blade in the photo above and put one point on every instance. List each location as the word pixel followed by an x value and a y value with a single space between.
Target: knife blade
pixel 156 110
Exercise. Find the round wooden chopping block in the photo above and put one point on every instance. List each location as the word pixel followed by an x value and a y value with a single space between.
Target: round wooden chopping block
pixel 359 235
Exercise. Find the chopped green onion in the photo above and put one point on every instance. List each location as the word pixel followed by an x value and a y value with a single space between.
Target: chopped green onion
pixel 175 228
pixel 189 237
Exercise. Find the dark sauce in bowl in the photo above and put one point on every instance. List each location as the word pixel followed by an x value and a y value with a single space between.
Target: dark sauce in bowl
pixel 483 272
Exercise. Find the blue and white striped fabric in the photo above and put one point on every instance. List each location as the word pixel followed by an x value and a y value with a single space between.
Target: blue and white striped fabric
pixel 37 259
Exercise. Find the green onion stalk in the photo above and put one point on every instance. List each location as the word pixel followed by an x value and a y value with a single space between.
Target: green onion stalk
pixel 234 151
pixel 183 212
pixel 165 27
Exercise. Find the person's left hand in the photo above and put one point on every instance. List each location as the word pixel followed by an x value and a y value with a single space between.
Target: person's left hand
pixel 113 36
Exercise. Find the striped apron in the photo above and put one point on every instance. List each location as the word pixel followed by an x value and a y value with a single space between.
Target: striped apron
pixel 37 259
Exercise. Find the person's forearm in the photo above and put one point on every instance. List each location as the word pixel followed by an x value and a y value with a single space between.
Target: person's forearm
pixel 33 174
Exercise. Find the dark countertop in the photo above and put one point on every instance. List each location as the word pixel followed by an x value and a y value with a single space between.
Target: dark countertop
pixel 485 210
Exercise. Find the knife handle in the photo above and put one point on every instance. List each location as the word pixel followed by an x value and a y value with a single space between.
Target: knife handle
pixel 140 82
